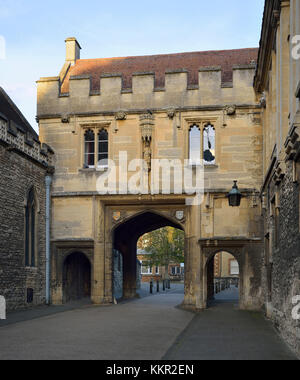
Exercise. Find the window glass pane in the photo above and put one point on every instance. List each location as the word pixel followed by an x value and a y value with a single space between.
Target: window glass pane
pixel 89 153
pixel 32 236
pixel 146 269
pixel 103 156
pixel 209 145
pixel 89 147
pixel 89 136
pixel 195 145
pixel 103 135
pixel 234 267
pixel 89 159
pixel 27 236
pixel 103 159
pixel 103 148
pixel 30 230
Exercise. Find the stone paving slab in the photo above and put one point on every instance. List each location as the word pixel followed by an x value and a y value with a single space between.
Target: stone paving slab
pixel 137 330
pixel 223 332
pixel 146 328
pixel 42 311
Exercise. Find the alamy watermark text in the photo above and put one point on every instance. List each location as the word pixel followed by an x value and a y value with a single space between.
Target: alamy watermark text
pixel 296 47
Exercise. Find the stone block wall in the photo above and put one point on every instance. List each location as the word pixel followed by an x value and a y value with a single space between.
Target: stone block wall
pixel 281 274
pixel 18 173
pixel 118 274
pixel 286 260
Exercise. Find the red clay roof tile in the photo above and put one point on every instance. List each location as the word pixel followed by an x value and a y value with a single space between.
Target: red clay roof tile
pixel 159 64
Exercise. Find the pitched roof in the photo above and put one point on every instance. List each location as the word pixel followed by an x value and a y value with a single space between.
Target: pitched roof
pixel 10 112
pixel 159 64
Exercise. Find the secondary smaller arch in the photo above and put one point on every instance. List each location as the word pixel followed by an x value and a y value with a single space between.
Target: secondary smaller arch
pixel 222 277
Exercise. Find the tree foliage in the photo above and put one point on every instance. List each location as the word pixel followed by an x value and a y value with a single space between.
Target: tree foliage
pixel 165 246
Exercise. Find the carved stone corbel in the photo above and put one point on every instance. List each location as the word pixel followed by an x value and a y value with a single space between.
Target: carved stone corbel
pixel 121 115
pixel 146 124
pixel 229 110
pixel 171 113
pixel 65 118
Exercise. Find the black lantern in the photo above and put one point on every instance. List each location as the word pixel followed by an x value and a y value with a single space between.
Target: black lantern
pixel 235 196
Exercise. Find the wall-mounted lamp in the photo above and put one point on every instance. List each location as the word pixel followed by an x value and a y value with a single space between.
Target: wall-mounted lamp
pixel 234 196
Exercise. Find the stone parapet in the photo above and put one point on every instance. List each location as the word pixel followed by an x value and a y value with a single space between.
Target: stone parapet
pixel 19 141
pixel 143 94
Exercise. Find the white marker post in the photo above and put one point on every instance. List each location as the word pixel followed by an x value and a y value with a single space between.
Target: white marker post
pixel 2 308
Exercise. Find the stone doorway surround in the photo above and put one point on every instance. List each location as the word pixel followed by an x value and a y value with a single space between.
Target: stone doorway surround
pixel 61 250
pixel 241 248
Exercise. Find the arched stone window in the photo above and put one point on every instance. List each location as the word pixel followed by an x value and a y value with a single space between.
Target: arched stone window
pixel 103 148
pixel 195 145
pixel 30 230
pixel 89 149
pixel 209 145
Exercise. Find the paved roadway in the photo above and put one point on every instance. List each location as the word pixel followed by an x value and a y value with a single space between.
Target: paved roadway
pixel 146 328
pixel 225 333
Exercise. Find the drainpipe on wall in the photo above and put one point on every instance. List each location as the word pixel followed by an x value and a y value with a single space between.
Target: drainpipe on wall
pixel 48 181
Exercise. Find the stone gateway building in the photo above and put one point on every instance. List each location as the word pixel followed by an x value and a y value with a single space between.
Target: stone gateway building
pixel 180 107
pixel 235 111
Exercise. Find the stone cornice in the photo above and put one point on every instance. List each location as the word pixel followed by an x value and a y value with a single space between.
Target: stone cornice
pixel 145 197
pixel 216 107
pixel 270 22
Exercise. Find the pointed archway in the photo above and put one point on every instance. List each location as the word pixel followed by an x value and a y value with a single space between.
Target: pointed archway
pixel 125 238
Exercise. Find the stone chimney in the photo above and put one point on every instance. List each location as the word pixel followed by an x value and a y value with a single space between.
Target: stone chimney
pixel 72 50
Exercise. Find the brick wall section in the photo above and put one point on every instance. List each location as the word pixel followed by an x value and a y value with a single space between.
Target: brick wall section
pixel 18 173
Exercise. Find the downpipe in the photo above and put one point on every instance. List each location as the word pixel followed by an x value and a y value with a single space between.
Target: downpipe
pixel 48 181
